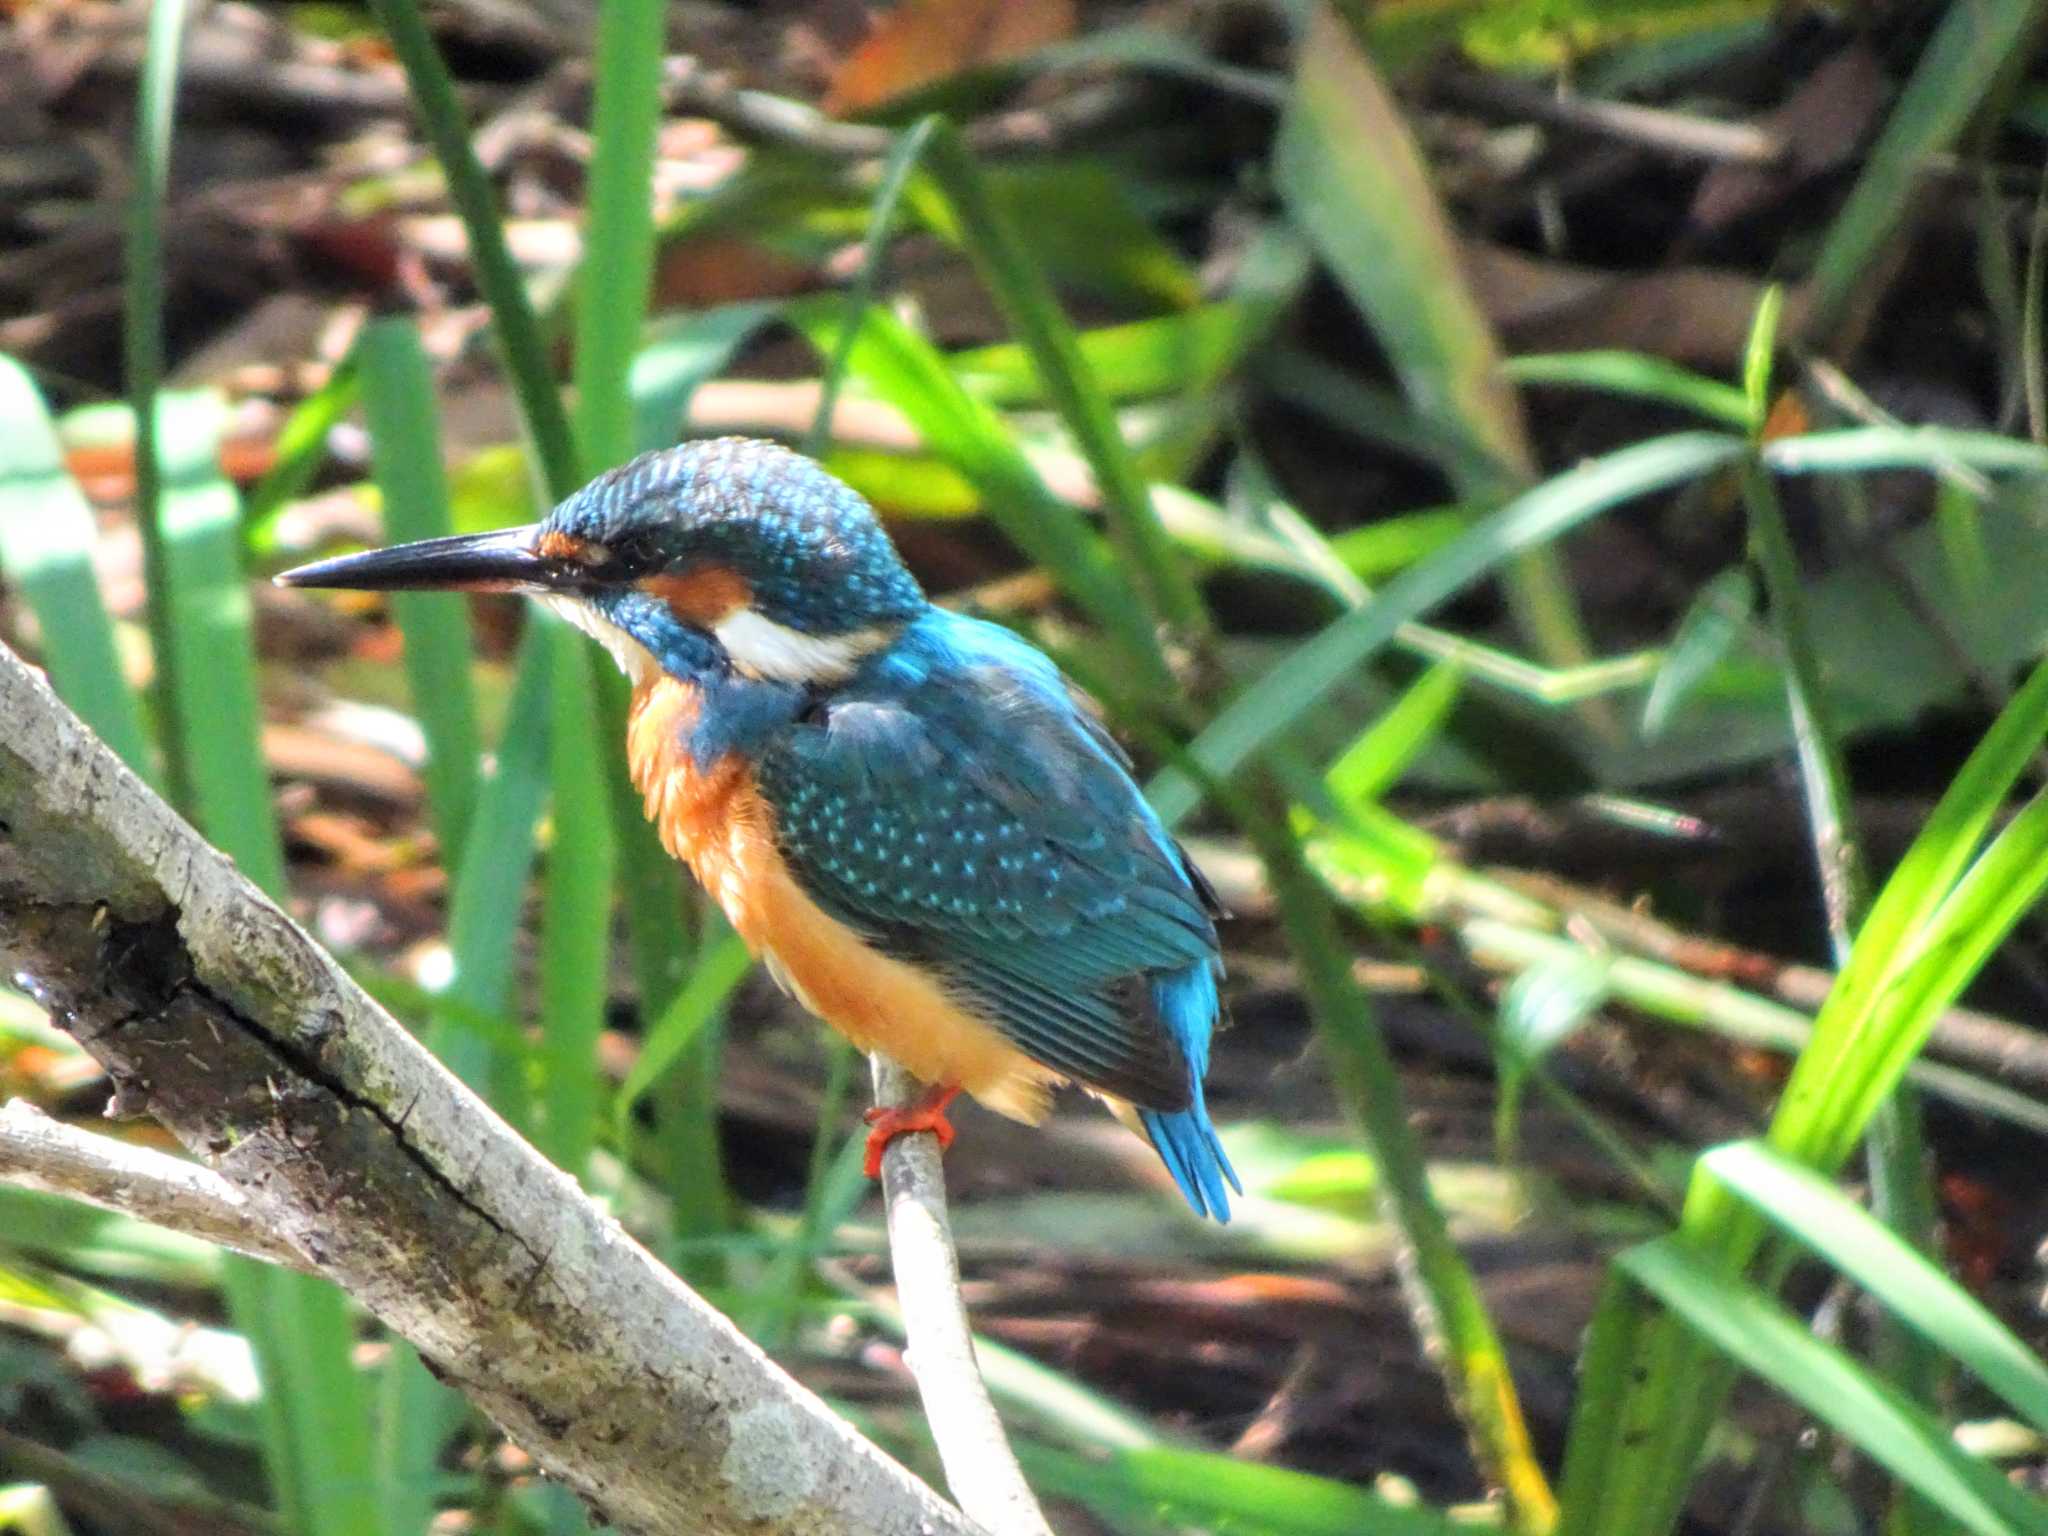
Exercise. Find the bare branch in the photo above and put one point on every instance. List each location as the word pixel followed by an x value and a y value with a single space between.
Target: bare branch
pixel 37 1152
pixel 791 124
pixel 980 1468
pixel 350 1143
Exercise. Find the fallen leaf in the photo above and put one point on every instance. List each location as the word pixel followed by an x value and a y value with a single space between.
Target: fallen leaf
pixel 923 41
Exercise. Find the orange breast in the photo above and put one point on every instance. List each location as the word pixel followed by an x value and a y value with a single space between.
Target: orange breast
pixel 716 821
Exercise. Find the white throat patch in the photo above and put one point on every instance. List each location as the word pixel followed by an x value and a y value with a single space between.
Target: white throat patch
pixel 764 648
pixel 634 659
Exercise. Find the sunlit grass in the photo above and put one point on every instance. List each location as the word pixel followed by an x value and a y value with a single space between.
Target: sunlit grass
pixel 1681 1314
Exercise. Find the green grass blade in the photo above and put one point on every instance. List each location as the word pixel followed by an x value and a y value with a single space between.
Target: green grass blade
pixel 1820 1217
pixel 720 967
pixel 1372 764
pixel 576 911
pixel 518 329
pixel 1907 908
pixel 207 600
pixel 1182 1489
pixel 1822 1125
pixel 1189 351
pixel 1347 402
pixel 415 1415
pixel 904 154
pixel 1825 780
pixel 900 366
pixel 1708 630
pixel 485 906
pixel 1933 449
pixel 1266 709
pixel 679 354
pixel 668 961
pixel 1458 1334
pixel 618 255
pixel 310 1365
pixel 1971 47
pixel 1751 1329
pixel 46 544
pixel 398 402
pixel 1377 223
pixel 1638 374
pixel 466 1029
pixel 1027 302
pixel 1901 1182
pixel 1936 920
pixel 595 809
pixel 318 1445
pixel 301 450
pixel 142 343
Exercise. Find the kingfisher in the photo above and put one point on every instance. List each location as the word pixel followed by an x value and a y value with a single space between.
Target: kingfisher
pixel 909 815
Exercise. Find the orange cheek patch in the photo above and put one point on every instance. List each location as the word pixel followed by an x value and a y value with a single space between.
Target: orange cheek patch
pixel 555 545
pixel 702 596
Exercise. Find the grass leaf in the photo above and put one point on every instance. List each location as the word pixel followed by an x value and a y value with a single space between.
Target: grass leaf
pixel 1755 1332
pixel 1275 702
pixel 1820 1217
pixel 405 446
pixel 46 544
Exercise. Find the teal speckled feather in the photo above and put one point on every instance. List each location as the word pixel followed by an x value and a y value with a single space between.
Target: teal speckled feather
pixel 948 803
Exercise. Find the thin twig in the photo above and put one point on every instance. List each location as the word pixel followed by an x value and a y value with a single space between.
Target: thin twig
pixel 1680 135
pixel 764 117
pixel 980 1467
pixel 37 1152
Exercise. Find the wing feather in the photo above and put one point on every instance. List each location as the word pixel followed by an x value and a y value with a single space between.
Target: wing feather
pixel 964 818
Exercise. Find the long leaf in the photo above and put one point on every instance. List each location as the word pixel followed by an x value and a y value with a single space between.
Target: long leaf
pixel 1970 48
pixel 1815 1214
pixel 142 344
pixel 1043 329
pixel 318 1444
pixel 1377 222
pixel 1267 708
pixel 46 544
pixel 576 912
pixel 1199 1489
pixel 517 328
pixel 405 446
pixel 900 366
pixel 1936 920
pixel 1754 1331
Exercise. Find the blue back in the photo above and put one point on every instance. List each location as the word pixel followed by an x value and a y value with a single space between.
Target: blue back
pixel 954 804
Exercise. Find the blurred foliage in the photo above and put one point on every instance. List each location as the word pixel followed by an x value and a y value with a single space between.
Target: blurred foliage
pixel 1229 406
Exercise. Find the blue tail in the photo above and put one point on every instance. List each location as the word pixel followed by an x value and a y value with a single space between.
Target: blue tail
pixel 1185 1140
pixel 1187 1144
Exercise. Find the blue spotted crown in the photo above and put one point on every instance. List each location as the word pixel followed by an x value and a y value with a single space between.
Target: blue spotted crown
pixel 807 545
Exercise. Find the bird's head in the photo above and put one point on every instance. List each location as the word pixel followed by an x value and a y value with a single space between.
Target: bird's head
pixel 730 552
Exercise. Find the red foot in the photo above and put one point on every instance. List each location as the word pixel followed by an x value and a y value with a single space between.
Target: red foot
pixel 927 1114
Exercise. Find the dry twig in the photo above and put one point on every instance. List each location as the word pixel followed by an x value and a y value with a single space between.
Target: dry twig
pixel 980 1468
pixel 37 1152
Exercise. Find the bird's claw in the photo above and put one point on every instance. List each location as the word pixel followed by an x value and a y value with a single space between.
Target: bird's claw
pixel 927 1114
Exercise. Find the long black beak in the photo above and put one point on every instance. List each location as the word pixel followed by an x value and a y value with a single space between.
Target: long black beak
pixel 504 561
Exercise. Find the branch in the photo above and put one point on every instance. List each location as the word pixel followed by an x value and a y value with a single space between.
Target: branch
pixel 980 1468
pixel 37 1152
pixel 764 117
pixel 348 1142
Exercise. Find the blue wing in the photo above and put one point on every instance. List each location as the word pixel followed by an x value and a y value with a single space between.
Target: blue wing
pixel 953 805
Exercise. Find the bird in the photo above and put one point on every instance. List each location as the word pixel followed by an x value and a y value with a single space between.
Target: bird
pixel 910 816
